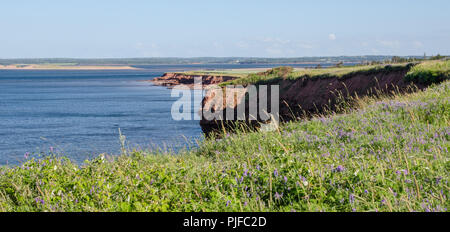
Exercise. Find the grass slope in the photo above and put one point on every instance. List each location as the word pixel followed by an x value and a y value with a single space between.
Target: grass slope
pixel 391 155
pixel 430 72
pixel 436 71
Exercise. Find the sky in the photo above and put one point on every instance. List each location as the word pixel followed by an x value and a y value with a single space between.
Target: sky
pixel 207 28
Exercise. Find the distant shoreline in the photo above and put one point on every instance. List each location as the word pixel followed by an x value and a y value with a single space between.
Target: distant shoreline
pixel 64 67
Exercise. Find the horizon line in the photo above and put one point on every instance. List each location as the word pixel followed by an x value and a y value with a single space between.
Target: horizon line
pixel 221 57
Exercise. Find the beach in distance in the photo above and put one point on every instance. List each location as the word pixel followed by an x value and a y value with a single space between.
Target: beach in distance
pixel 63 67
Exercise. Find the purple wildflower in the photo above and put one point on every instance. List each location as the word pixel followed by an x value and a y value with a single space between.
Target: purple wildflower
pixel 351 198
pixel 246 172
pixel 340 168
pixel 278 196
pixel 39 200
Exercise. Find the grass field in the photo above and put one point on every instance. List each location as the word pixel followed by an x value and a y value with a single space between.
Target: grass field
pixel 240 73
pixel 390 155
pixel 430 72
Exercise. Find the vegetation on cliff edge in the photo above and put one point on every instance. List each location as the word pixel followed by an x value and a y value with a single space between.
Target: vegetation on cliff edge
pixel 436 71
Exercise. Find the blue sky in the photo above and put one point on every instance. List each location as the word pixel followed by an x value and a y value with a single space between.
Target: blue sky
pixel 257 28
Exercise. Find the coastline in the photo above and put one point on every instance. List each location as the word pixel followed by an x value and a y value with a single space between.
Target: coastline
pixel 65 67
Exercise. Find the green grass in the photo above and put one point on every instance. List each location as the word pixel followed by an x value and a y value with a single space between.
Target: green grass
pixel 390 155
pixel 239 73
pixel 339 72
pixel 426 72
pixel 430 72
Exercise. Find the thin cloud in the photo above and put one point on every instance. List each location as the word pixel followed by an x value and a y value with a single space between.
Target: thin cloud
pixel 389 43
pixel 332 36
pixel 417 44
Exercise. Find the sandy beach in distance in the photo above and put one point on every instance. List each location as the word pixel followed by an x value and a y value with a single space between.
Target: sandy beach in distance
pixel 63 67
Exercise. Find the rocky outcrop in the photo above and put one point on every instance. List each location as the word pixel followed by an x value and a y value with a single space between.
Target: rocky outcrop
pixel 173 79
pixel 308 95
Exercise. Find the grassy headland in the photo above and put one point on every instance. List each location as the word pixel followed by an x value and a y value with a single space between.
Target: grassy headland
pixel 287 73
pixel 239 73
pixel 389 155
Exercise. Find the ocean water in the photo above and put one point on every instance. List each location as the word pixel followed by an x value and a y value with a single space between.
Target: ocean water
pixel 79 113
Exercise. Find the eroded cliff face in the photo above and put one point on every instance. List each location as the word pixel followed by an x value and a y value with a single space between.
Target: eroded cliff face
pixel 315 95
pixel 173 79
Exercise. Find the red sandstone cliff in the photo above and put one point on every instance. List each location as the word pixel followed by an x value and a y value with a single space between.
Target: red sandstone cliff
pixel 173 79
pixel 315 95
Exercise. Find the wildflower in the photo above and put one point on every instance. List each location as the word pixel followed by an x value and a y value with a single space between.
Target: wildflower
pixel 245 172
pixel 228 203
pixel 39 200
pixel 285 179
pixel 278 196
pixel 52 149
pixel 275 172
pixel 404 171
pixel 305 183
pixel 27 155
pixel 340 168
pixel 351 198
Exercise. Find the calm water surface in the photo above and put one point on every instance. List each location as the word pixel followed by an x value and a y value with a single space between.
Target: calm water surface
pixel 79 112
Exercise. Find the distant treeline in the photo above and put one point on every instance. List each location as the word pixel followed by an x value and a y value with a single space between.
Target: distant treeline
pixel 204 60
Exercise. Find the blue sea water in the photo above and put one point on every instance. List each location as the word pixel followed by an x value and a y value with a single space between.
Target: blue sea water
pixel 79 113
